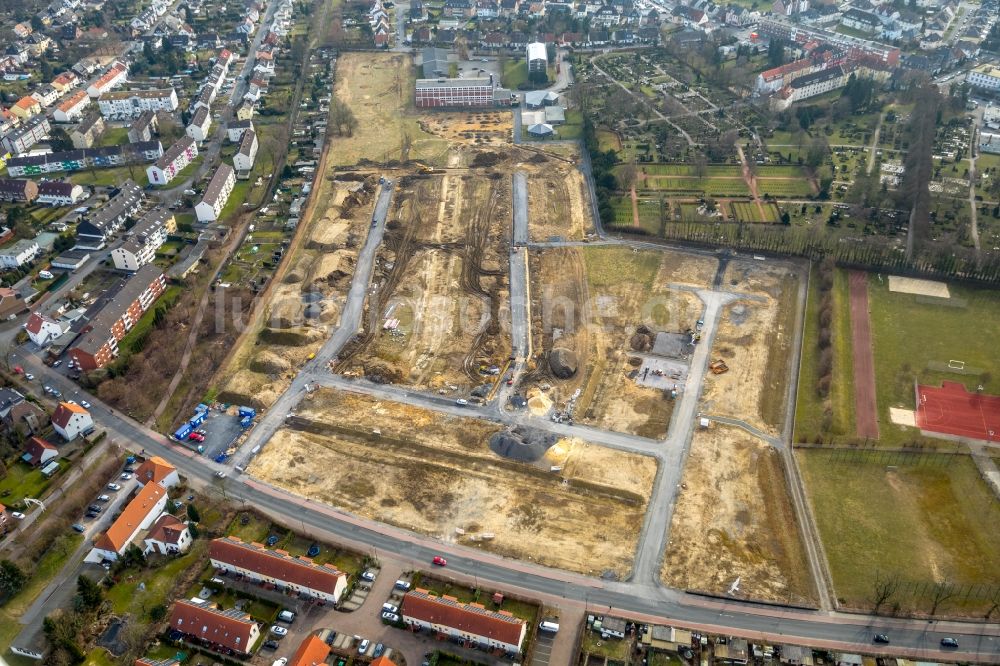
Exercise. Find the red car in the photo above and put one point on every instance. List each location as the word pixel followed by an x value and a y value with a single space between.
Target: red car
pixel 440 561
pixel 196 437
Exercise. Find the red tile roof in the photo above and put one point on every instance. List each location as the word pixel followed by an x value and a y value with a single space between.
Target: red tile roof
pixel 65 411
pixel 232 629
pixel 118 535
pixel 166 529
pixel 276 564
pixel 35 322
pixel 36 447
pixel 468 618
pixel 312 652
pixel 155 469
pixel 383 661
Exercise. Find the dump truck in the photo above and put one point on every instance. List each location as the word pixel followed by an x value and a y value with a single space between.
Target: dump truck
pixel 718 367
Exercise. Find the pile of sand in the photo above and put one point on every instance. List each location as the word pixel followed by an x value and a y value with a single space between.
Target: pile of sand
pixel 269 363
pixel 538 402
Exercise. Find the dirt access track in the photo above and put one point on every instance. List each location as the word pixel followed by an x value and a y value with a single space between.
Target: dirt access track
pixel 437 313
pixel 591 301
pixel 755 338
pixel 437 475
pixel 734 518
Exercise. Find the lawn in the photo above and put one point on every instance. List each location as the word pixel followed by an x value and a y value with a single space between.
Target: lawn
pixel 126 597
pixel 910 332
pixel 23 481
pixel 515 73
pixel 925 518
pixel 109 177
pixel 611 648
pixel 810 417
pixel 785 188
pixel 114 136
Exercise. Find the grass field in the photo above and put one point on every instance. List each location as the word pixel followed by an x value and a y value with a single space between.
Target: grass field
pixel 23 481
pixel 909 332
pixel 926 519
pixel 747 211
pixel 731 170
pixel 717 186
pixel 811 416
pixel 784 188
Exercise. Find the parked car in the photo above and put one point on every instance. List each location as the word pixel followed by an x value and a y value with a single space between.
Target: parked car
pixel 85 404
pixel 440 561
pixel 95 508
pixel 79 528
pixel 114 486
pixel 390 608
pixel 47 389
pixel 390 617
pixel 881 638
pixel 279 631
pixel 56 393
pixel 126 476
pixel 402 585
pixel 29 376
pixel 364 646
pixel 270 645
pixel 368 576
pixel 280 662
pixel 103 498
pixel 379 649
pixel 17 514
pixel 91 514
pixel 56 364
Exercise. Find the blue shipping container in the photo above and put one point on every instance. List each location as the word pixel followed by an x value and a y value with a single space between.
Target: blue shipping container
pixel 246 421
pixel 183 432
pixel 248 411
pixel 197 420
pixel 202 407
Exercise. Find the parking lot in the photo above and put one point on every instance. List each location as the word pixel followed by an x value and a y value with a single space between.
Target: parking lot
pixel 220 430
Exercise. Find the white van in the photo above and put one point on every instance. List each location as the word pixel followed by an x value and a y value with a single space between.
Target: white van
pixel 286 616
pixel 549 626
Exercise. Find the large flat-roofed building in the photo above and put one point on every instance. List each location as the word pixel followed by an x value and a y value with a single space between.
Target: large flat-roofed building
pixel 97 344
pixel 278 568
pixel 537 57
pixel 468 622
pixel 131 103
pixel 444 93
pixel 178 156
pixel 986 77
pixel 216 194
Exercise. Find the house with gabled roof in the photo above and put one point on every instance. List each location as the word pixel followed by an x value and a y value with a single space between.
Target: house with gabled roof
pixel 137 515
pixel 37 452
pixel 230 629
pixel 70 420
pixel 157 470
pixel 471 623
pixel 167 536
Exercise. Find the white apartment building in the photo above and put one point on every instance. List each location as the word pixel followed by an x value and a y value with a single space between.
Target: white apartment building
pixel 132 103
pixel 216 194
pixel 172 161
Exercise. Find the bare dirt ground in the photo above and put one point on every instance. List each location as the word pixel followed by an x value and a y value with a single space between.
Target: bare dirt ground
pixel 305 306
pixel 436 474
pixel 754 338
pixel 434 319
pixel 591 302
pixel 557 198
pixel 734 519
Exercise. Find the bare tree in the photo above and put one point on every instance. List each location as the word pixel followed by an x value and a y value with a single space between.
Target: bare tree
pixel 940 593
pixel 884 588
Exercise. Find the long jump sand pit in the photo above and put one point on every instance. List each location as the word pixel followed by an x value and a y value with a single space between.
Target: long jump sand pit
pixel 755 338
pixel 908 285
pixel 436 474
pixel 734 518
pixel 592 302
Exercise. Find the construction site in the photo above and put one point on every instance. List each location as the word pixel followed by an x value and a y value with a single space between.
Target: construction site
pixel 734 519
pixel 612 334
pixel 521 493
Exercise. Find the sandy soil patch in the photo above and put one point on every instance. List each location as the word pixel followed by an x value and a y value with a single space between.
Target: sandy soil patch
pixel 734 519
pixel 436 474
pixel 904 417
pixel 558 204
pixel 908 285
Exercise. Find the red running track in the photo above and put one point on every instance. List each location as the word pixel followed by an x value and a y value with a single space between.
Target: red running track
pixel 865 405
pixel 952 410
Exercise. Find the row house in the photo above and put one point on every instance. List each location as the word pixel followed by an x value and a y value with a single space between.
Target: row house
pixel 131 103
pixel 89 158
pixel 63 82
pixel 97 344
pixel 26 107
pixel 100 226
pixel 20 139
pixel 144 127
pixel 61 193
pixel 46 95
pixel 276 567
pixel 144 239
pixel 15 190
pixel 204 98
pixel 72 107
pixel 172 161
pixel 116 75
pixel 236 128
pixel 137 515
pixel 470 623
pixel 230 630
pixel 216 194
